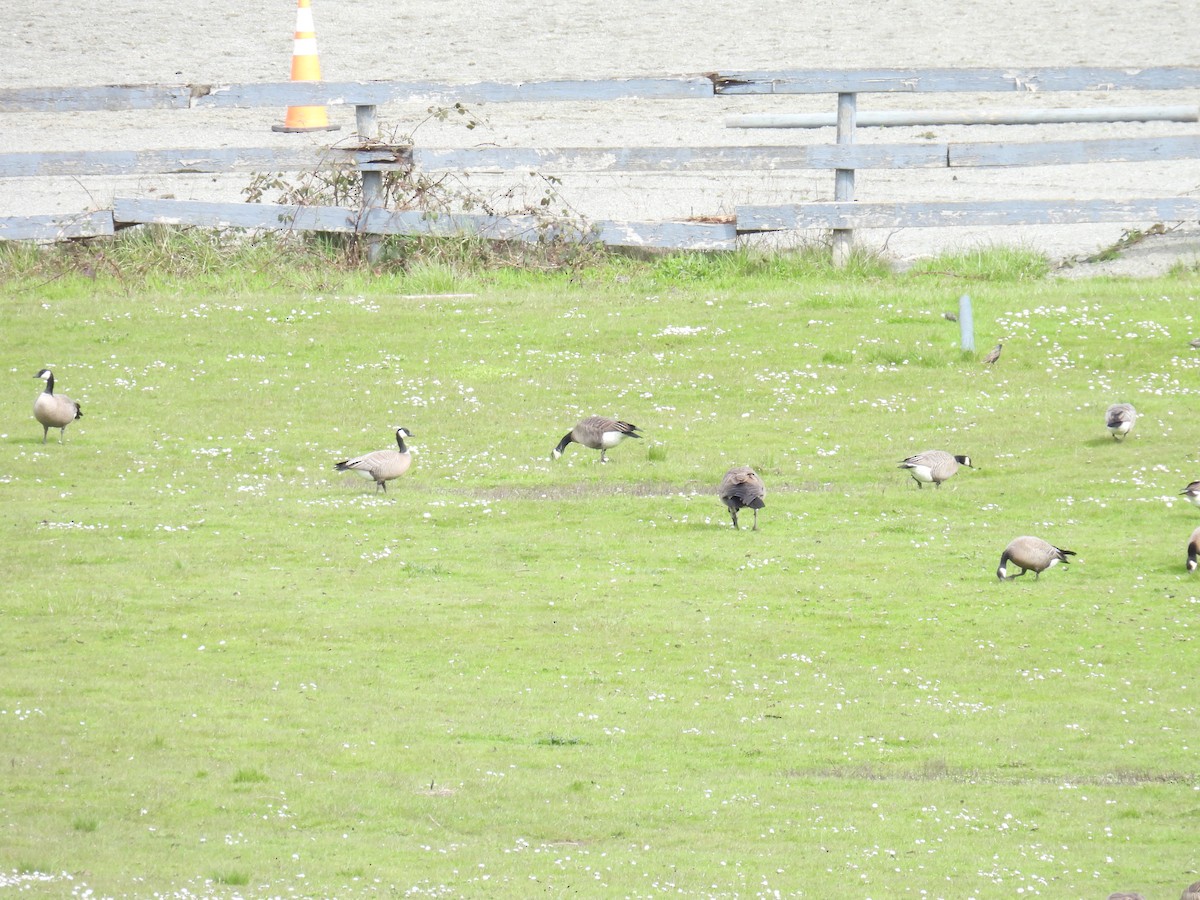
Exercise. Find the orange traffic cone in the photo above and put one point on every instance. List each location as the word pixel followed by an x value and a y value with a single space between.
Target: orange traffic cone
pixel 305 67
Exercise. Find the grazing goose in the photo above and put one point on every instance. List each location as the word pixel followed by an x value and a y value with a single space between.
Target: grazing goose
pixel 1193 552
pixel 382 465
pixel 597 433
pixel 1120 418
pixel 993 354
pixel 1030 553
pixel 1192 492
pixel 741 488
pixel 934 466
pixel 1191 892
pixel 54 410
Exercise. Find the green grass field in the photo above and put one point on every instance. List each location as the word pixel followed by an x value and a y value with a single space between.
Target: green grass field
pixel 229 671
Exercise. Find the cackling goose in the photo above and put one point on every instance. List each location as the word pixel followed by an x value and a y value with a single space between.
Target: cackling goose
pixel 54 410
pixel 1031 554
pixel 741 488
pixel 1120 418
pixel 1193 550
pixel 934 466
pixel 382 465
pixel 1192 492
pixel 598 433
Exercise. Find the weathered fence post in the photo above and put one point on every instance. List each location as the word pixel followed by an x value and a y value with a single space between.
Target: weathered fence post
pixel 372 182
pixel 843 179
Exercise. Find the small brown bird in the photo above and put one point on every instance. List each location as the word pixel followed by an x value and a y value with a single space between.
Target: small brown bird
pixel 1031 554
pixel 1120 418
pixel 382 465
pixel 741 488
pixel 54 411
pixel 950 317
pixel 597 433
pixel 993 355
pixel 1193 551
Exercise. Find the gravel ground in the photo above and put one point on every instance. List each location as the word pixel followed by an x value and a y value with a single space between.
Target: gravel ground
pixel 54 43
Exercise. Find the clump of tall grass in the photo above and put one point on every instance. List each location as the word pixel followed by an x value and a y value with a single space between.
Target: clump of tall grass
pixel 803 263
pixel 992 263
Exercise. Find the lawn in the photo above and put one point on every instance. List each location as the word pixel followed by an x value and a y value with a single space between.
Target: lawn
pixel 229 671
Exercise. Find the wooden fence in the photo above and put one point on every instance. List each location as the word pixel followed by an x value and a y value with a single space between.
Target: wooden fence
pixel 371 158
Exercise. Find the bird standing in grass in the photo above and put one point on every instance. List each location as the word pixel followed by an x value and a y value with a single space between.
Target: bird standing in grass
pixel 934 466
pixel 383 465
pixel 1120 418
pixel 993 354
pixel 54 410
pixel 741 488
pixel 597 433
pixel 1030 554
pixel 1193 550
pixel 1192 492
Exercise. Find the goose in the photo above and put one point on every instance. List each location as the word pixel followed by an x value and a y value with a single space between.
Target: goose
pixel 597 433
pixel 1191 892
pixel 741 488
pixel 1120 418
pixel 54 410
pixel 1193 551
pixel 1192 492
pixel 934 466
pixel 993 354
pixel 1031 554
pixel 382 465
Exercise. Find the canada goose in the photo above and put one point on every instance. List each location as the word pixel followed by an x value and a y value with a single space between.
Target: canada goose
pixel 1191 892
pixel 382 465
pixel 1030 553
pixel 54 410
pixel 1192 492
pixel 598 433
pixel 1193 551
pixel 1120 418
pixel 1125 895
pixel 741 488
pixel 934 466
pixel 993 355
